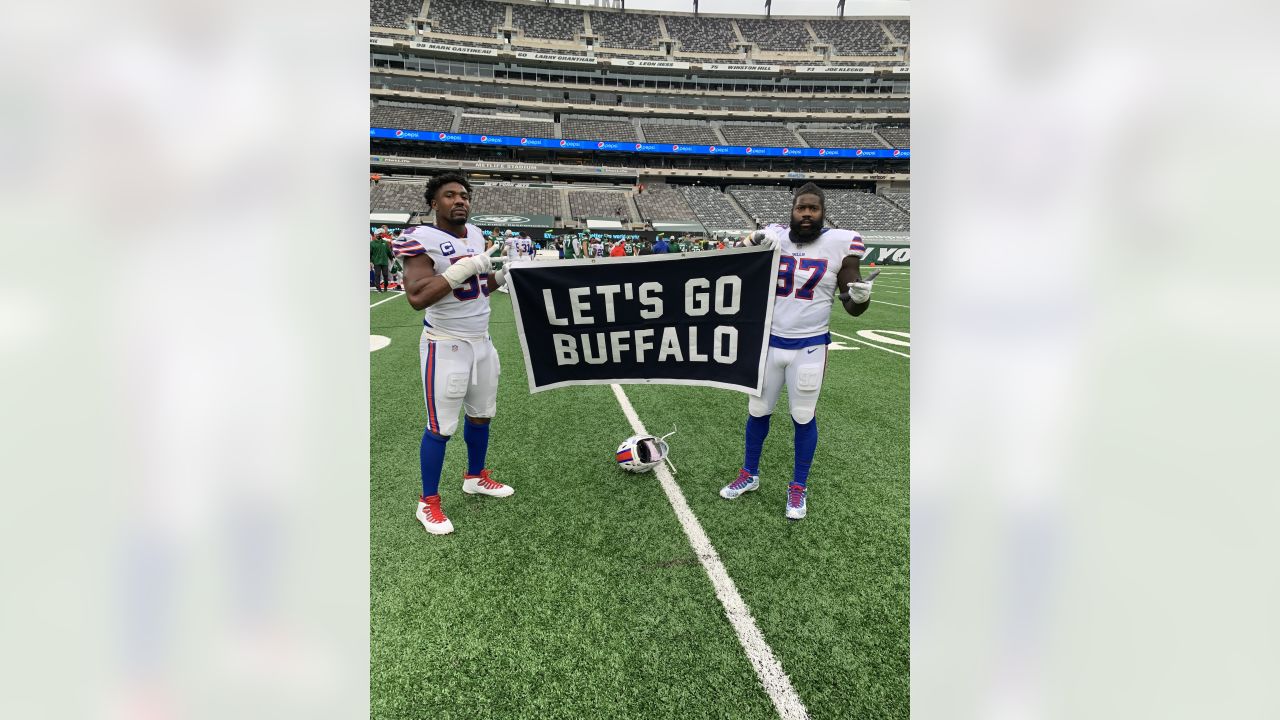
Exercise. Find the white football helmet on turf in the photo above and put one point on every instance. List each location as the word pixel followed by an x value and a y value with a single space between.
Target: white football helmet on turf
pixel 640 453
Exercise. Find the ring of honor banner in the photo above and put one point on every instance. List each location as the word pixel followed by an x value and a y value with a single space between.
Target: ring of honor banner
pixel 696 319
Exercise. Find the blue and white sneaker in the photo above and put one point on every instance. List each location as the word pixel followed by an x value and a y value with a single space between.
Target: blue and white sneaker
pixel 797 505
pixel 744 483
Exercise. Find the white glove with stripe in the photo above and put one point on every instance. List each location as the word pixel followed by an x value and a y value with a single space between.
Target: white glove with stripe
pixel 860 292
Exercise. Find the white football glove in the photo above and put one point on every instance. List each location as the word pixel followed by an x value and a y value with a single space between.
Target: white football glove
pixel 762 239
pixel 466 268
pixel 500 276
pixel 860 292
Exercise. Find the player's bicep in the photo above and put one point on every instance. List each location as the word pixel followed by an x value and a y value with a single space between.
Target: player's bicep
pixel 849 272
pixel 418 267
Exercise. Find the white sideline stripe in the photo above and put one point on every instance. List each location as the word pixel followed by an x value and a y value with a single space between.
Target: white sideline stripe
pixel 893 304
pixel 393 297
pixel 895 287
pixel 768 669
pixel 869 344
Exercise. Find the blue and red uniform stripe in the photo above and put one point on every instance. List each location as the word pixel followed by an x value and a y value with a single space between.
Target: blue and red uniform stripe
pixel 429 379
pixel 624 456
pixel 408 247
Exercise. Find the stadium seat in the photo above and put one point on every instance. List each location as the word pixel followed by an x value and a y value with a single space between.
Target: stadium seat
pixel 501 199
pixel 599 204
pixel 765 204
pixel 901 29
pixel 515 126
pixel 901 199
pixel 467 17
pixel 841 138
pixel 713 209
pixel 763 134
pixel 597 127
pixel 393 13
pixel 625 30
pixel 702 35
pixel 895 136
pixel 547 22
pixel 685 132
pixel 396 196
pixel 411 116
pixel 776 35
pixel 852 37
pixel 663 203
pixel 858 210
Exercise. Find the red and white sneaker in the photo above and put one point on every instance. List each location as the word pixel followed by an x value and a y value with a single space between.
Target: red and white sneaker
pixel 797 501
pixel 484 484
pixel 432 517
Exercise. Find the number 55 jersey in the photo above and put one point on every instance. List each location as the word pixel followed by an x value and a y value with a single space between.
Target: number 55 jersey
pixel 463 313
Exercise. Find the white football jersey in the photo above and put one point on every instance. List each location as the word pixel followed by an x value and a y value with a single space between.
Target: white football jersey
pixel 807 279
pixel 463 313
pixel 597 249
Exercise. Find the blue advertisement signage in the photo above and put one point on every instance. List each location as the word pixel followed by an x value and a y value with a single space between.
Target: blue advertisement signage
pixel 637 147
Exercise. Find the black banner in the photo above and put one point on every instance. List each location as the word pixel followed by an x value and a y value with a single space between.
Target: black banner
pixel 697 319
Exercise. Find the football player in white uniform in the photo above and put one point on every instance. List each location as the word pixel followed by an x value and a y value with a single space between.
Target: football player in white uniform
pixel 814 261
pixel 448 273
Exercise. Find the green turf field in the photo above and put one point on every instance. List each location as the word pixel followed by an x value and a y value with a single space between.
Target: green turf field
pixel 581 597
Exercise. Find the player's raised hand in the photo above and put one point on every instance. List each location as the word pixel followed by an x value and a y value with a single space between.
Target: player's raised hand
pixel 860 291
pixel 762 239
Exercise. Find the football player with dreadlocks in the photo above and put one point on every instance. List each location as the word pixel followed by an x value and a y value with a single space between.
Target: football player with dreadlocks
pixel 814 261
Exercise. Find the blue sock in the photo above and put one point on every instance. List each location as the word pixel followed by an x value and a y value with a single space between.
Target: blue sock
pixel 477 438
pixel 806 444
pixel 431 456
pixel 757 430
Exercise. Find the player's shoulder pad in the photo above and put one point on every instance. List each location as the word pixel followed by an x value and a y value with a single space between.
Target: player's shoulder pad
pixel 411 242
pixel 849 240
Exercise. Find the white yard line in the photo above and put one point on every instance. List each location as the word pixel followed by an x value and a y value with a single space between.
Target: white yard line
pixel 768 669
pixel 393 297
pixel 869 344
pixel 889 303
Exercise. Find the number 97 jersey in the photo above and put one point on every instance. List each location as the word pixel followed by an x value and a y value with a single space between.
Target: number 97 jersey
pixel 807 279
